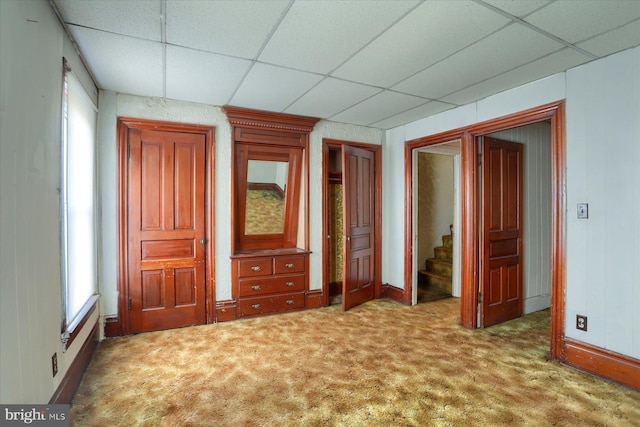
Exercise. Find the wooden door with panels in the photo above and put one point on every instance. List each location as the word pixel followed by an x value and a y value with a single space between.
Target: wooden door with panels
pixel 501 262
pixel 359 215
pixel 166 229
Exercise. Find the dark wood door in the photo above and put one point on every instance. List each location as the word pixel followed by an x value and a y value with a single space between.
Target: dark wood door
pixel 358 221
pixel 502 210
pixel 166 222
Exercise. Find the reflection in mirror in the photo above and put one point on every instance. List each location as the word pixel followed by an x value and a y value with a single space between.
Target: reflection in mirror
pixel 266 196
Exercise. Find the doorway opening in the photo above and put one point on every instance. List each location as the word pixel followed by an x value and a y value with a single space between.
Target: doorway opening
pixel 436 208
pixel 553 114
pixel 352 226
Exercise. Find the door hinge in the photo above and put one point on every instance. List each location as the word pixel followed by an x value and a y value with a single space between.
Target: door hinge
pixel 479 159
pixel 129 151
pixel 129 303
pixel 479 297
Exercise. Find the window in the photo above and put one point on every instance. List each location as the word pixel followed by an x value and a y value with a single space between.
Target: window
pixel 79 260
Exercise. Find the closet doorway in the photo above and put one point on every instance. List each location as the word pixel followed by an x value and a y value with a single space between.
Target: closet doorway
pixel 351 223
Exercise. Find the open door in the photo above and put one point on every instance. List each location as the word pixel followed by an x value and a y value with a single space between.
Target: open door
pixel 359 214
pixel 166 229
pixel 501 244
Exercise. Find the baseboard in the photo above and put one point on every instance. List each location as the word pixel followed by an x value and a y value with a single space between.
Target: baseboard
pixel 393 293
pixel 69 384
pixel 314 299
pixel 603 363
pixel 226 310
pixel 112 327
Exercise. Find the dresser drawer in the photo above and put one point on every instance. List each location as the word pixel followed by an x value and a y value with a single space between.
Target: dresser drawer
pixel 255 267
pixel 271 285
pixel 289 264
pixel 271 304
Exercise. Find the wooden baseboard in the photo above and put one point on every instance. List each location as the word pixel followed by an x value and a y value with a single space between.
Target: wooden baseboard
pixel 314 299
pixel 112 327
pixel 226 310
pixel 392 293
pixel 67 388
pixel 603 363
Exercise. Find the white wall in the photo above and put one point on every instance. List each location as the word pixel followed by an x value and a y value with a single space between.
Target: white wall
pixel 603 154
pixel 536 239
pixel 32 44
pixel 175 111
pixel 603 158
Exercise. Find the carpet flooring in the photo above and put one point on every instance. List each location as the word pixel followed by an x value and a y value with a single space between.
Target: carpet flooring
pixel 379 364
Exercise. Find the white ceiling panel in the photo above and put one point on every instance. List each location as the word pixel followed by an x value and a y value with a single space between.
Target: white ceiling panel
pixel 122 64
pixel 378 107
pixel 549 65
pixel 318 36
pixel 507 49
pixel 377 63
pixel 203 77
pixel 575 21
pixel 518 8
pixel 614 41
pixel 141 18
pixel 425 110
pixel 271 88
pixel 238 28
pixel 423 37
pixel 330 97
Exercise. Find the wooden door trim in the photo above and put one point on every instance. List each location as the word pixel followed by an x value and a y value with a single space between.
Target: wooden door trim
pixel 555 112
pixel 123 126
pixel 327 144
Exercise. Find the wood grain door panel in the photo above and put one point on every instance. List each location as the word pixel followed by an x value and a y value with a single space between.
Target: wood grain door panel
pixel 166 220
pixel 502 227
pixel 358 249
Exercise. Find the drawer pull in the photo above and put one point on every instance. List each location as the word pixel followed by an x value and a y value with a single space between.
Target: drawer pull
pixel 256 306
pixel 290 265
pixel 256 268
pixel 289 284
pixel 256 287
pixel 289 302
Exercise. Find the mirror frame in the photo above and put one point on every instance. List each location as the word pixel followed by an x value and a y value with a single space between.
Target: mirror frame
pixel 261 135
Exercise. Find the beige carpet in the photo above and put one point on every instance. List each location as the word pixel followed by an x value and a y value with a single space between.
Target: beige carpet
pixel 380 364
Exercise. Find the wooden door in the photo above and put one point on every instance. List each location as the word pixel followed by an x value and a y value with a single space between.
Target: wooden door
pixel 359 214
pixel 166 222
pixel 502 210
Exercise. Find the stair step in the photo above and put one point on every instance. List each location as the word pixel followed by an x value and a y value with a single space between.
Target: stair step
pixel 433 279
pixel 440 267
pixel 443 253
pixel 447 241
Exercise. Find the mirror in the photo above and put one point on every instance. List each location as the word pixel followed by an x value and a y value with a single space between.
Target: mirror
pixel 266 197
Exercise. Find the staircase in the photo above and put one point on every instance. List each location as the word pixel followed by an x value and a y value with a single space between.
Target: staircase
pixel 439 269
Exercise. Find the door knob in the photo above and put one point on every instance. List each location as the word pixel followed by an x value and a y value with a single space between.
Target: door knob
pixel 203 241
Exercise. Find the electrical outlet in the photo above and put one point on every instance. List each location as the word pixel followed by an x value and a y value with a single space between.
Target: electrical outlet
pixel 581 322
pixel 54 363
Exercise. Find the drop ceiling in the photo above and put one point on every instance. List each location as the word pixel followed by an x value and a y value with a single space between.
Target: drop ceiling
pixel 378 63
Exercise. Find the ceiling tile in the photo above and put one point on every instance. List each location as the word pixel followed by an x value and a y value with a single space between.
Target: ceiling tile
pixel 518 8
pixel 422 38
pixel 587 18
pixel 378 107
pixel 517 46
pixel 140 18
pixel 117 61
pixel 237 28
pixel 330 97
pixel 549 65
pixel 271 88
pixel 203 77
pixel 319 35
pixel 614 41
pixel 426 110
